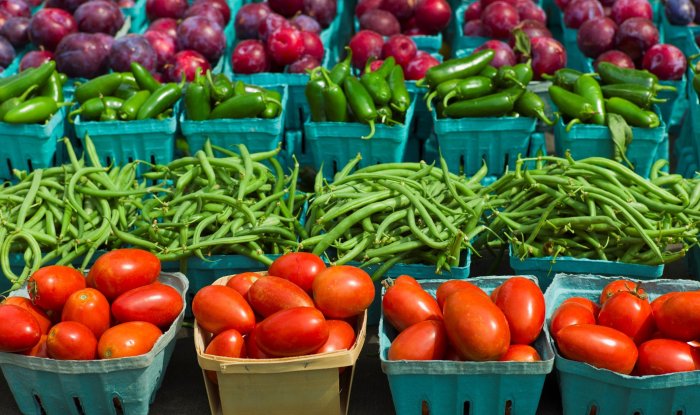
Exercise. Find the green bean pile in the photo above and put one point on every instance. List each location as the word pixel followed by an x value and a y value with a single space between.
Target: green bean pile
pixel 395 213
pixel 594 208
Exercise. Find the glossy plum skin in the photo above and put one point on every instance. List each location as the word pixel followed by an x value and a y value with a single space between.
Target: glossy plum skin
pixel 504 54
pixel 248 19
pixel 99 16
pixel 186 62
pixel 132 48
pixel 635 36
pixel 665 61
pixel 615 57
pixel 49 26
pixel 500 17
pixel 164 45
pixel 596 36
pixel 208 11
pixel 626 9
pixel 166 24
pixel 365 44
pixel 580 11
pixel 7 52
pixel 16 30
pixel 83 55
pixel 680 12
pixel 285 46
pixel 250 56
pixel 548 56
pixel 200 34
pixel 401 47
pixel 380 21
pixel 34 59
pixel 165 8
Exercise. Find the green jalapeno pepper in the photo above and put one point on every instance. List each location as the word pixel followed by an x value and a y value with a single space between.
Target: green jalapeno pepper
pixel 507 78
pixel 334 100
pixel 638 94
pixel 473 87
pixel 197 104
pixel 103 85
pixel 493 105
pixel 489 72
pixel 109 114
pixel 342 69
pixel 91 109
pixel 386 67
pixel 377 86
pixel 131 106
pixel 160 100
pixel 400 97
pixel 15 101
pixel 34 110
pixel 125 90
pixel 633 114
pixel 589 88
pixel 220 86
pixel 531 105
pixel 34 76
pixel 524 72
pixel 314 96
pixel 63 77
pixel 613 74
pixel 564 78
pixel 272 109
pixel 361 103
pixel 241 106
pixel 144 78
pixel 441 91
pixel 53 88
pixel 457 68
pixel 572 105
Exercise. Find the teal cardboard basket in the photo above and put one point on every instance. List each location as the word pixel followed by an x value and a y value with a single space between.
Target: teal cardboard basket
pixel 675 35
pixel 467 143
pixel 422 126
pixel 456 388
pixel 545 268
pixel 30 146
pixel 257 134
pixel 117 386
pixel 334 144
pixel 459 41
pixel 585 388
pixel 694 262
pixel 590 140
pixel 295 144
pixel 120 142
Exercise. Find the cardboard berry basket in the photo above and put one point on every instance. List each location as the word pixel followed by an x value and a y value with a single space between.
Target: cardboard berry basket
pixel 96 387
pixel 305 385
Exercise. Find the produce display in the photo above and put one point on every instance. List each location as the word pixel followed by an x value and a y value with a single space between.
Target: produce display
pixel 462 322
pixel 68 316
pixel 32 96
pixel 392 17
pixel 629 332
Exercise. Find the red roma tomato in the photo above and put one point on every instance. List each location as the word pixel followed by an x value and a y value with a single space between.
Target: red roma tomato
pixel 41 317
pixel 405 305
pixel 341 336
pixel 570 314
pixel 494 294
pixel 19 330
pixel 242 282
pixel 90 307
pixel 251 347
pixel 301 268
pixel 426 340
pixel 408 280
pixel 450 286
pixel 522 302
pixel 70 340
pixel 39 350
pixel 271 294
pixel 49 287
pixel 659 301
pixel 128 339
pixel 121 270
pixel 228 343
pixel 521 353
pixel 217 308
pixel 599 346
pixel 451 354
pixel 292 332
pixel 589 304
pixel 626 312
pixel 619 285
pixel 660 356
pixel 477 329
pixel 156 303
pixel 679 316
pixel 343 291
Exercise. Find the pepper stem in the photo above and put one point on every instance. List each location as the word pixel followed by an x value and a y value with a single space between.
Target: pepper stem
pixel 429 100
pixel 658 100
pixel 542 116
pixel 659 87
pixel 448 97
pixel 372 130
pixel 571 123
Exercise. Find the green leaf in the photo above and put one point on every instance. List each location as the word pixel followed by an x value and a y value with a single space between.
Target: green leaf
pixel 522 43
pixel 621 134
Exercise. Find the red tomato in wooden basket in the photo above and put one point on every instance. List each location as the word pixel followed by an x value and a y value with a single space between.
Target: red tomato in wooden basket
pixel 341 336
pixel 156 303
pixel 522 302
pixel 521 353
pixel 629 313
pixel 70 340
pixel 90 307
pixel 121 270
pixel 49 287
pixel 128 339
pixel 426 340
pixel 292 332
pixel 599 346
pixel 660 356
pixel 19 330
pixel 242 282
pixel 229 343
pixel 217 308
pixel 301 268
pixel 404 305
pixel 269 295
pixel 343 291
pixel 477 329
pixel 40 315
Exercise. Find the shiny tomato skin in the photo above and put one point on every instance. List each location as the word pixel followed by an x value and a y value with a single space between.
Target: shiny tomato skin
pixel 660 356
pixel 70 340
pixel 40 315
pixel 217 308
pixel 19 329
pixel 251 347
pixel 404 305
pixel 121 270
pixel 156 303
pixel 630 314
pixel 133 338
pixel 679 316
pixel 450 286
pixel 589 304
pixel 292 332
pixel 242 282
pixel 426 340
pixel 659 301
pixel 39 350
pixel 49 287
pixel 569 314
pixel 599 346
pixel 477 329
pixel 343 291
pixel 228 343
pixel 301 268
pixel 341 336
pixel 269 295
pixel 522 302
pixel 619 285
pixel 521 353
pixel 408 280
pixel 90 307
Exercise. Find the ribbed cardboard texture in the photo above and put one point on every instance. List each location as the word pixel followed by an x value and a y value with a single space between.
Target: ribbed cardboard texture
pixel 449 387
pixel 96 387
pixel 304 385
